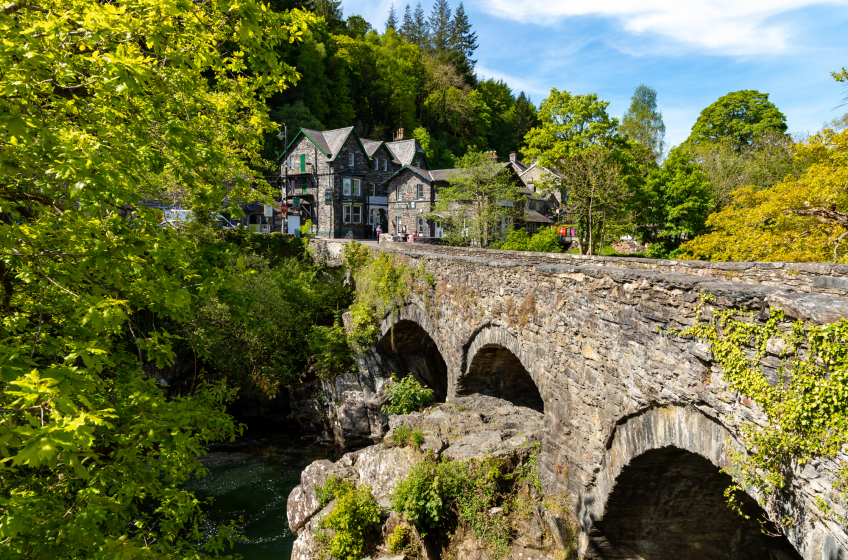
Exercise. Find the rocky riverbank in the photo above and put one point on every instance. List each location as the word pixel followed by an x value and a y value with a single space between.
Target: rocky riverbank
pixel 484 437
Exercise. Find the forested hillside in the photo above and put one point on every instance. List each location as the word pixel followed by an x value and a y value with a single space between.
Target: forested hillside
pixel 418 75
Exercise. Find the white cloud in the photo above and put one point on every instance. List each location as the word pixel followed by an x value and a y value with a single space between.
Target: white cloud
pixel 736 27
pixel 530 87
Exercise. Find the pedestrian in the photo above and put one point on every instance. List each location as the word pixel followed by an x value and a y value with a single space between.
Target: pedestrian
pixel 379 231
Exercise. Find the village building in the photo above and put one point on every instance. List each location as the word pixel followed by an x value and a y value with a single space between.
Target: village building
pixel 348 185
pixel 335 179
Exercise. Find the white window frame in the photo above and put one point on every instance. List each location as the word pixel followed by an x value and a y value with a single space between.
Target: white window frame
pixel 398 223
pixel 351 160
pixel 385 165
pixel 346 214
pixel 356 185
pixel 399 192
pixel 372 189
pixel 377 163
pixel 419 191
pixel 422 225
pixel 356 215
pixel 346 188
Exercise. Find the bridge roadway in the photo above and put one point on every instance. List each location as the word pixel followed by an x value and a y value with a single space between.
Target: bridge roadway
pixel 638 423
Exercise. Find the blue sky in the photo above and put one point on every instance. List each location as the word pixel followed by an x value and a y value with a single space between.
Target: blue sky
pixel 691 51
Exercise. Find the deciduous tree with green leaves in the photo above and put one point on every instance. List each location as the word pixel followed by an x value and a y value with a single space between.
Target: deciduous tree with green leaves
pixel 739 117
pixel 643 121
pixel 104 106
pixel 479 201
pixel 802 219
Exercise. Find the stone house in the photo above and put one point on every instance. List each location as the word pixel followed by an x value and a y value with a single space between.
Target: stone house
pixel 335 179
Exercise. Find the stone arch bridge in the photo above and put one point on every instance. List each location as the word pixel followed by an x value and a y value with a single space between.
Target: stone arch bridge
pixel 637 424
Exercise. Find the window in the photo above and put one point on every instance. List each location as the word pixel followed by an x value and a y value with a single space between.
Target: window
pixel 419 191
pixel 356 190
pixel 357 214
pixel 372 189
pixel 419 164
pixel 351 160
pixel 385 165
pixel 422 225
pixel 347 187
pixel 377 164
pixel 291 162
pixel 346 214
pixel 399 192
pixel 398 219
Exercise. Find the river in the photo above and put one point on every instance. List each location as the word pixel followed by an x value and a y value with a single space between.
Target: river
pixel 252 478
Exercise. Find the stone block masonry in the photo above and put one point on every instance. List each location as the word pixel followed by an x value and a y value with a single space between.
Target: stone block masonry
pixel 624 404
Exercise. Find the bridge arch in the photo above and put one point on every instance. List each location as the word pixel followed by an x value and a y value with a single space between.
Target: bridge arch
pixel 495 365
pixel 660 494
pixel 410 344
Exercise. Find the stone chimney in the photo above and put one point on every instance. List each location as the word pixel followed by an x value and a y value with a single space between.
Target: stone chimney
pixel 399 134
pixel 493 155
pixel 513 157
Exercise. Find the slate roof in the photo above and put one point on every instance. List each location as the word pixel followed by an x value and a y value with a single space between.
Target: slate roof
pixel 318 138
pixel 535 217
pixel 329 141
pixel 405 150
pixel 371 146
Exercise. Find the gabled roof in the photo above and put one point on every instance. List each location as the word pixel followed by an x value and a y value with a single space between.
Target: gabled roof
pixel 535 217
pixel 406 150
pixel 423 173
pixel 371 146
pixel 330 142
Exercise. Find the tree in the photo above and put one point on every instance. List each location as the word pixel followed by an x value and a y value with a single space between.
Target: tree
pixel 440 28
pixel 294 116
pixel 675 202
pixel 331 11
pixel 462 39
pixel 768 159
pixel 357 27
pixel 406 29
pixel 479 200
pixel 392 21
pixel 739 117
pixel 796 220
pixel 524 118
pixel 643 121
pixel 419 32
pixel 93 290
pixel 591 166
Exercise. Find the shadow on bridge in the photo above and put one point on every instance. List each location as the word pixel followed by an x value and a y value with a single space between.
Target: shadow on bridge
pixel 497 372
pixel 408 349
pixel 669 503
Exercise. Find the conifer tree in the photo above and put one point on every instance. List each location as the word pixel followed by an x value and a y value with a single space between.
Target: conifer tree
pixel 406 27
pixel 440 28
pixel 524 118
pixel 419 33
pixel 462 39
pixel 392 22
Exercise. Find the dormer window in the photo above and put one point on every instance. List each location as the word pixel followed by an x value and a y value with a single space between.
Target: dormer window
pixel 377 164
pixel 385 165
pixel 351 160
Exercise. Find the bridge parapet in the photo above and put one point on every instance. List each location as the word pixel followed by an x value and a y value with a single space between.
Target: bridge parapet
pixel 803 277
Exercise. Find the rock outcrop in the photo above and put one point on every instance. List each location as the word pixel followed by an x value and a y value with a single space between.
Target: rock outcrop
pixel 468 428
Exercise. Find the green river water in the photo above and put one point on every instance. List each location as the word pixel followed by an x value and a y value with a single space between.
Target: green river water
pixel 251 479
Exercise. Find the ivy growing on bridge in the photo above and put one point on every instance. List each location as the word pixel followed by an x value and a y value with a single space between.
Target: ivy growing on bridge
pixel 806 406
pixel 383 285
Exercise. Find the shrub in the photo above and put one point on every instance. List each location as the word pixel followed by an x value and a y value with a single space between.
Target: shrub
pixel 334 486
pixel 406 395
pixel 329 350
pixel 545 241
pixel 403 436
pixel 400 539
pixel 355 513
